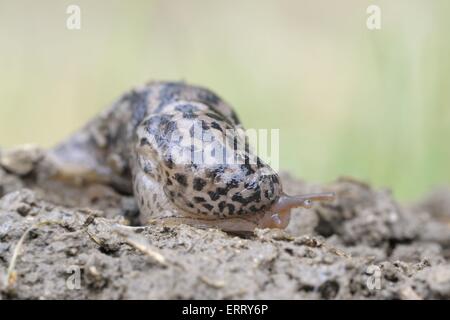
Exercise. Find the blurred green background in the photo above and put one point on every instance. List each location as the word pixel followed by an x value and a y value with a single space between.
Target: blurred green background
pixel 348 101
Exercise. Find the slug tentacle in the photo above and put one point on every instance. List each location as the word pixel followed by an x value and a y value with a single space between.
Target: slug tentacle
pixel 279 214
pixel 286 202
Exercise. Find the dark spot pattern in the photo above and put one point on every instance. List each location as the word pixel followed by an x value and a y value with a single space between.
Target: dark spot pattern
pixel 169 162
pixel 208 97
pixel 199 183
pixel 205 126
pixel 233 183
pixel 170 127
pixel 199 199
pixel 147 168
pixel 230 208
pixel 170 92
pixel 144 142
pixel 188 110
pixel 214 195
pixel 247 169
pixel 156 126
pixel 218 117
pixel 255 197
pixel 216 126
pixel 181 179
pixel 138 100
pixel 207 206
pixel 215 172
pixel 259 163
pixel 222 205
pixel 251 185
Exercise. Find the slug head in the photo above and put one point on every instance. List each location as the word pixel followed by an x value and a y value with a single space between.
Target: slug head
pixel 224 191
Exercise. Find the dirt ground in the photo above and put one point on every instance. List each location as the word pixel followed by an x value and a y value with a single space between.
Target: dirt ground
pixel 67 242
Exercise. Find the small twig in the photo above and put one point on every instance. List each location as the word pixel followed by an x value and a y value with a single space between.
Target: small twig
pixel 131 228
pixel 94 238
pixel 11 275
pixel 140 244
pixel 218 284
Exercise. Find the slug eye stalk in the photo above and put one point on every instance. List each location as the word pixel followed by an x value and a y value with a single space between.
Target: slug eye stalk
pixel 286 202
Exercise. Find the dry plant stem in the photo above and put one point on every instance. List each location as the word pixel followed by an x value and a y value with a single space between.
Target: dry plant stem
pixel 140 244
pixel 10 275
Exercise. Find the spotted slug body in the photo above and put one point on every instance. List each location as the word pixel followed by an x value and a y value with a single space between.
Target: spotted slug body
pixel 182 151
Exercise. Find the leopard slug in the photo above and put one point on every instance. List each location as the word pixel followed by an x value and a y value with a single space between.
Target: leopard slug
pixel 168 144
